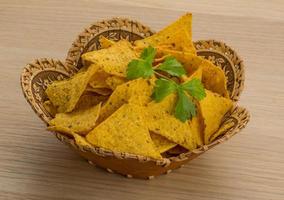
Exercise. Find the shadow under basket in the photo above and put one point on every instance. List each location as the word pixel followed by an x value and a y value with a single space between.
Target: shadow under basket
pixel 38 74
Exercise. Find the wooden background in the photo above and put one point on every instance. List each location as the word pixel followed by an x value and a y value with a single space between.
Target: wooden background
pixel 34 165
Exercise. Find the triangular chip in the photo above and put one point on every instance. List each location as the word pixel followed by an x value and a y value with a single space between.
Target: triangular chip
pixel 125 131
pixel 213 108
pixel 98 80
pixel 162 144
pixel 137 91
pixel 113 60
pixel 104 42
pixel 162 122
pixel 65 94
pixel 79 121
pixel 114 81
pixel 176 36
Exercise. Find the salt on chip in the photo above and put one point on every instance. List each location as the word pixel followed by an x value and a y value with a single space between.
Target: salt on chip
pixel 213 108
pixel 104 42
pixel 162 144
pixel 113 60
pixel 137 91
pixel 213 77
pixel 65 94
pixel 79 121
pixel 176 36
pixel 125 131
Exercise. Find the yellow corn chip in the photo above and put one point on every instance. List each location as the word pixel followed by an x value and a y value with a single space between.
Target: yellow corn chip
pixel 89 99
pixel 162 122
pixel 213 108
pixel 104 42
pixel 79 121
pixel 137 91
pixel 113 60
pixel 51 109
pixel 98 80
pixel 113 81
pixel 65 94
pixel 162 144
pixel 176 36
pixel 81 141
pixel 125 131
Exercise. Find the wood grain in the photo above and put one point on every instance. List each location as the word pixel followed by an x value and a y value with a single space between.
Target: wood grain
pixel 34 165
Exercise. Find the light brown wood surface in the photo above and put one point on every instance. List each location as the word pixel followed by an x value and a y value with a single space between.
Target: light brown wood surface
pixel 34 165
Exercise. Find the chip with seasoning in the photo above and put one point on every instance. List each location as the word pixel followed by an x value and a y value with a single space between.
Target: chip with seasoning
pixel 65 94
pixel 162 144
pixel 79 121
pixel 125 131
pixel 176 36
pixel 213 108
pixel 137 92
pixel 113 60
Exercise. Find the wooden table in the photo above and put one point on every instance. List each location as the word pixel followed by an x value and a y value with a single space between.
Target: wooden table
pixel 34 165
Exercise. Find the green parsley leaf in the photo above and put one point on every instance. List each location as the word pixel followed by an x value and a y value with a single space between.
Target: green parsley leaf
pixel 163 88
pixel 148 54
pixel 185 108
pixel 172 67
pixel 195 88
pixel 139 68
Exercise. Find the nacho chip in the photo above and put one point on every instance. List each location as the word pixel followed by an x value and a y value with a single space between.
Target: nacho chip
pixel 89 99
pixel 98 80
pixel 81 141
pixel 79 121
pixel 162 144
pixel 213 108
pixel 125 131
pixel 65 94
pixel 50 108
pixel 113 60
pixel 137 91
pixel 176 36
pixel 113 81
pixel 213 77
pixel 104 42
pixel 162 122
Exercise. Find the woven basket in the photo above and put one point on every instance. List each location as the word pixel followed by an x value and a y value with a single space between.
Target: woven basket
pixel 41 72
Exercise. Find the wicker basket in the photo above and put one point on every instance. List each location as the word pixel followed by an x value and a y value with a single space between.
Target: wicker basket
pixel 41 72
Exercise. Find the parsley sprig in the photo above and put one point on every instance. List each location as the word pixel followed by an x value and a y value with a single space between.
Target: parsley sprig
pixel 187 92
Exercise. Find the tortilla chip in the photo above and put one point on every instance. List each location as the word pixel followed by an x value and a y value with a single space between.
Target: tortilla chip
pixel 81 141
pixel 197 74
pixel 113 60
pixel 65 94
pixel 104 42
pixel 137 91
pixel 113 81
pixel 79 121
pixel 162 144
pixel 98 80
pixel 125 131
pixel 162 122
pixel 213 77
pixel 88 100
pixel 50 108
pixel 176 36
pixel 213 108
